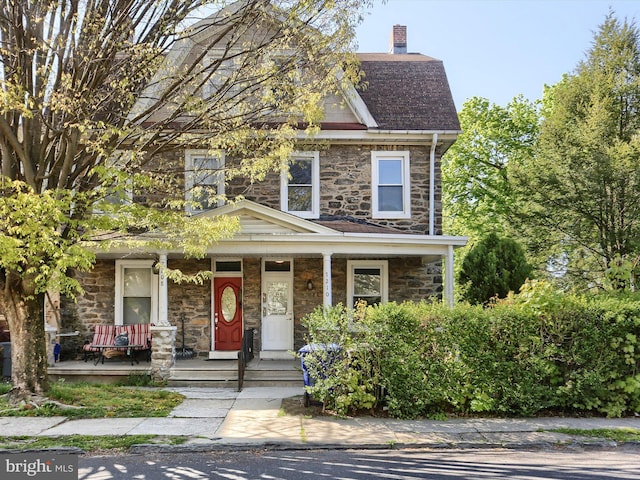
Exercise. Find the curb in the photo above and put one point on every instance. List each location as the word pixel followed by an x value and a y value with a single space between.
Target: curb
pixel 60 450
pixel 213 446
pixel 290 446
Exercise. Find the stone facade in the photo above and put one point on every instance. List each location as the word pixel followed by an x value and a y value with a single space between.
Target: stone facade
pixel 345 179
pixel 193 302
pixel 163 351
pixel 251 305
pixel 305 300
pixel 97 305
pixel 410 279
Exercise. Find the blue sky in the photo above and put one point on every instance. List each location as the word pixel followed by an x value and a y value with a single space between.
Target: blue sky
pixel 495 49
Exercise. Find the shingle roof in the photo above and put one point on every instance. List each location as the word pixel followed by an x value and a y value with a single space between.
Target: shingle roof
pixel 352 225
pixel 407 92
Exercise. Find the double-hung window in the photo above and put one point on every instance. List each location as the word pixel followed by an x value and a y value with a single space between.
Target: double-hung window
pixel 367 281
pixel 300 185
pixel 204 180
pixel 390 194
pixel 136 292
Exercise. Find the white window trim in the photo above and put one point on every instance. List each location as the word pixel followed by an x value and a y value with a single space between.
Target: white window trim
pixel 315 186
pixel 383 265
pixel 189 176
pixel 120 266
pixel 403 155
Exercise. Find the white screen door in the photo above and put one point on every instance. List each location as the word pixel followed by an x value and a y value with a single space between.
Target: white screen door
pixel 277 311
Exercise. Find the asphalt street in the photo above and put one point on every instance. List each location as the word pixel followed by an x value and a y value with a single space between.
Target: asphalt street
pixel 555 464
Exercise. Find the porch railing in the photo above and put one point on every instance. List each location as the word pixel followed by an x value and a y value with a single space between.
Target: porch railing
pixel 245 355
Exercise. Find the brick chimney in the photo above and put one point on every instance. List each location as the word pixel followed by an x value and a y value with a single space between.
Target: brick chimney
pixel 398 40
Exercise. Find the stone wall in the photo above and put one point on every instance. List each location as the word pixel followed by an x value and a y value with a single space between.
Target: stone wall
pixel 339 280
pixel 305 300
pixel 411 280
pixel 345 179
pixel 192 301
pixel 251 304
pixel 96 305
pixel 168 172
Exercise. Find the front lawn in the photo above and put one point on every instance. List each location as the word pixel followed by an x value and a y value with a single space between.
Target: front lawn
pixel 95 401
pixel 616 434
pixel 86 443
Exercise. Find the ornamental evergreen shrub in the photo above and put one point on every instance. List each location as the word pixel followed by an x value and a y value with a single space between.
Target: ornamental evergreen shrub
pixel 493 267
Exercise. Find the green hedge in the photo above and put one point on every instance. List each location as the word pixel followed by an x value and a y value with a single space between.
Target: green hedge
pixel 539 351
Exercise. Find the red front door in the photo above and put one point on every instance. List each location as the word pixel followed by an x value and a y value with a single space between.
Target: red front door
pixel 227 317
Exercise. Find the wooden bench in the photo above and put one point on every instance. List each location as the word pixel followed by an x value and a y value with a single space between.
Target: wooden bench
pixel 104 338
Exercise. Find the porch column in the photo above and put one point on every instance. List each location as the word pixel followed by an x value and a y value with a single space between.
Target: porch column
pixel 163 351
pixel 448 276
pixel 163 292
pixel 327 296
pixel 163 334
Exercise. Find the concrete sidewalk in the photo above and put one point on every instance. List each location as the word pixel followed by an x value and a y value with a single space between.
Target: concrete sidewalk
pixel 220 417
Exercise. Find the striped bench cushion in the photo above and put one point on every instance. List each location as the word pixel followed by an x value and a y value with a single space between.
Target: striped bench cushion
pixel 103 335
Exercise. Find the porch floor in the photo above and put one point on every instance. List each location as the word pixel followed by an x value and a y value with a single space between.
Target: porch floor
pixel 188 372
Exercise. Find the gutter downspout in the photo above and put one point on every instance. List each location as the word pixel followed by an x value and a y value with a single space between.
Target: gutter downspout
pixel 432 184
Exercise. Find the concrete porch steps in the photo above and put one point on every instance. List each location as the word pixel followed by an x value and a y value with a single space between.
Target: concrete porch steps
pixel 259 373
pixel 204 373
pixel 196 372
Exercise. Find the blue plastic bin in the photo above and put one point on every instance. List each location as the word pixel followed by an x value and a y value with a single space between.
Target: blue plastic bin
pixel 309 381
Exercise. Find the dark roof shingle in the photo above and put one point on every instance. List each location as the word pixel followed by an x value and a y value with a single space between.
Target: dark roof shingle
pixel 353 225
pixel 407 92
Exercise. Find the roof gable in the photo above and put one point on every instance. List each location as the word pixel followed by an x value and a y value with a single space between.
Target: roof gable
pixel 259 219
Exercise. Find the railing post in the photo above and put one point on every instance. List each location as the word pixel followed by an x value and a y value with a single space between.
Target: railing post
pixel 245 355
pixel 241 365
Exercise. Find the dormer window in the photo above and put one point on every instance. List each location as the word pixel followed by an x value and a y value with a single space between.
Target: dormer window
pixel 300 186
pixel 204 180
pixel 390 184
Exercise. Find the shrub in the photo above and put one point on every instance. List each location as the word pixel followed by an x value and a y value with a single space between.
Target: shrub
pixel 339 362
pixel 493 267
pixel 402 368
pixel 540 350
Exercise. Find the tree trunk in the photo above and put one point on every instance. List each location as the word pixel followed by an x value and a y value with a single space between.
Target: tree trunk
pixel 28 345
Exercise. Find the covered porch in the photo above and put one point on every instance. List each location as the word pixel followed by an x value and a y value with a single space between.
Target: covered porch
pixel 268 276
